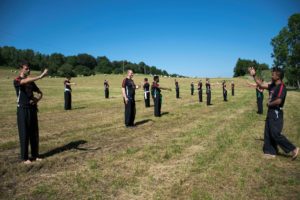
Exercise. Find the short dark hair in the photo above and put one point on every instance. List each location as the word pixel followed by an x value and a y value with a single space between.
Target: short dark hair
pixel 23 62
pixel 279 71
pixel 145 79
pixel 155 78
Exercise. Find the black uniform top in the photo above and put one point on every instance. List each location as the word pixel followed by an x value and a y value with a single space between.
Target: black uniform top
pixel 176 85
pixel 106 85
pixel 259 93
pixel 25 92
pixel 200 86
pixel 155 90
pixel 207 85
pixel 129 86
pixel 224 86
pixel 192 86
pixel 277 91
pixel 232 85
pixel 67 87
pixel 146 87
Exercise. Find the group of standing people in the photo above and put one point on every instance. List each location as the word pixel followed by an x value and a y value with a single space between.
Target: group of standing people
pixel 28 96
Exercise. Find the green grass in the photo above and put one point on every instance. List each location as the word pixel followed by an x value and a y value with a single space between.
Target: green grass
pixel 191 152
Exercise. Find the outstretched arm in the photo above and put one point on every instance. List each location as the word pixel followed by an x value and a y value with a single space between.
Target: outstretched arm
pixel 32 79
pixel 257 81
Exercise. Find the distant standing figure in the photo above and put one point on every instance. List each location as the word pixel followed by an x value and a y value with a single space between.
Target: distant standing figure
pixel 259 97
pixel 146 87
pixel 67 93
pixel 128 93
pixel 200 90
pixel 192 88
pixel 224 90
pixel 208 92
pixel 27 118
pixel 177 88
pixel 232 88
pixel 106 89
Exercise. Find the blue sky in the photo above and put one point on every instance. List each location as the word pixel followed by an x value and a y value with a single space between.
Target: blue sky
pixel 193 38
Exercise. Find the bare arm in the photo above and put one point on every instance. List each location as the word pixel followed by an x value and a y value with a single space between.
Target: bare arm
pixel 276 102
pixel 124 95
pixel 32 79
pixel 257 81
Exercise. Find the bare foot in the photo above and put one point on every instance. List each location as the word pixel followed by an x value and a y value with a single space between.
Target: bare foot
pixel 295 153
pixel 26 162
pixel 269 156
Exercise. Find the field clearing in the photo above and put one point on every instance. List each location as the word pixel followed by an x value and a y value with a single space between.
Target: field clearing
pixel 191 152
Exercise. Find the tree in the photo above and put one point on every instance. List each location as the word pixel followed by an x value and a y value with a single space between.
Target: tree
pixel 66 70
pixel 86 60
pixel 83 70
pixel 286 50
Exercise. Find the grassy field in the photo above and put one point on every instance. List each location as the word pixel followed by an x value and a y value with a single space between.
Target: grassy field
pixel 191 152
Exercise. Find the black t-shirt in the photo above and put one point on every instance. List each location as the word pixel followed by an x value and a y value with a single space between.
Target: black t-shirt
pixel 224 86
pixel 192 86
pixel 199 86
pixel 129 86
pixel 207 85
pixel 24 92
pixel 106 85
pixel 176 85
pixel 68 87
pixel 277 91
pixel 155 90
pixel 146 87
pixel 232 85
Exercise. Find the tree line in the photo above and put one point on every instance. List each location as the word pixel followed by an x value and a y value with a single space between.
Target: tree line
pixel 81 64
pixel 286 53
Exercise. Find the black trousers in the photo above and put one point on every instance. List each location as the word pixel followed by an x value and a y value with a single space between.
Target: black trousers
pixel 68 100
pixel 200 95
pixel 208 98
pixel 260 105
pixel 232 92
pixel 106 91
pixel 273 134
pixel 157 106
pixel 225 95
pixel 130 112
pixel 28 131
pixel 147 99
pixel 177 93
pixel 192 91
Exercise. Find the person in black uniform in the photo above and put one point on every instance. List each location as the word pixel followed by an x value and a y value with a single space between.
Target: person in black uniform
pixel 192 88
pixel 274 123
pixel 259 97
pixel 67 93
pixel 128 92
pixel 232 88
pixel 27 118
pixel 157 97
pixel 146 87
pixel 200 90
pixel 224 90
pixel 177 88
pixel 106 89
pixel 208 92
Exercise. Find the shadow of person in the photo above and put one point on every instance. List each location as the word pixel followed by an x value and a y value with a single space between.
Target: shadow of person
pixel 143 122
pixel 164 113
pixel 71 145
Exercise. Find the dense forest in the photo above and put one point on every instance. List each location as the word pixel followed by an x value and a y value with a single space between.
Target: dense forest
pixel 81 64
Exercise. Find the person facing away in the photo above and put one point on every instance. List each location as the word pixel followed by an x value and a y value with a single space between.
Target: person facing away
pixel 273 136
pixel 177 89
pixel 67 93
pixel 128 93
pixel 146 87
pixel 232 88
pixel 192 88
pixel 106 89
pixel 224 90
pixel 27 118
pixel 200 90
pixel 208 92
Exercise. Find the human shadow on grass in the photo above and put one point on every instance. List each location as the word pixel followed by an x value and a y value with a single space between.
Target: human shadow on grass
pixel 164 113
pixel 143 122
pixel 69 146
